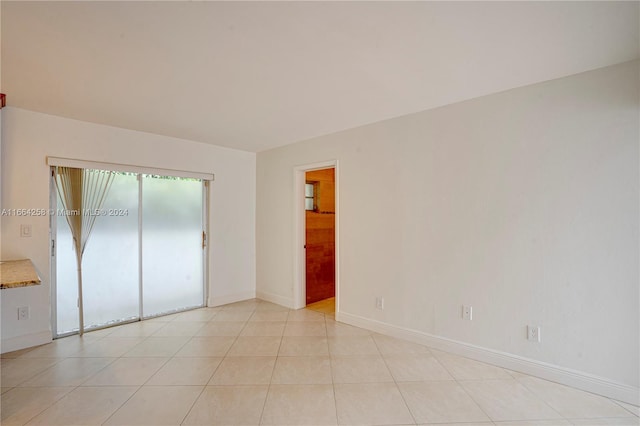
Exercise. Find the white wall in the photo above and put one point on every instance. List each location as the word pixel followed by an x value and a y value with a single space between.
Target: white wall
pixel 29 137
pixel 523 204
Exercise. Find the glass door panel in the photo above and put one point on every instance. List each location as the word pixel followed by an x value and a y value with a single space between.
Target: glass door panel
pixel 66 277
pixel 109 266
pixel 172 253
pixel 110 262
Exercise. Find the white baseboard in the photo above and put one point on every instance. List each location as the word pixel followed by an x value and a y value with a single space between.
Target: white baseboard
pixel 27 341
pixel 566 376
pixel 231 298
pixel 274 298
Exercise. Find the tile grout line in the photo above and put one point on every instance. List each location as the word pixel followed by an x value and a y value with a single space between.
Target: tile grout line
pixel 333 383
pixel 48 406
pixel 58 361
pixel 120 406
pixel 471 397
pixel 627 409
pixel 457 382
pixel 266 397
pixel 524 385
pixel 415 422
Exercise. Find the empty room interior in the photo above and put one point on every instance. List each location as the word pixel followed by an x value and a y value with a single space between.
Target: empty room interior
pixel 317 213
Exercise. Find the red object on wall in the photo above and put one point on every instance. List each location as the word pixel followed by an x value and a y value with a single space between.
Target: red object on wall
pixel 3 100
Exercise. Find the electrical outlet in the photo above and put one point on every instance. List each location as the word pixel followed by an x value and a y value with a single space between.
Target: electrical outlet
pixel 533 333
pixel 25 231
pixel 380 303
pixel 23 313
pixel 467 313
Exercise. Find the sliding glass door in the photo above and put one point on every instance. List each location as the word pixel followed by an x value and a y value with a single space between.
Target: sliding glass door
pixel 147 243
pixel 172 249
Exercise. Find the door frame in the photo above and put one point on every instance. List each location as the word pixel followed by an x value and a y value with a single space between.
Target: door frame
pixel 299 234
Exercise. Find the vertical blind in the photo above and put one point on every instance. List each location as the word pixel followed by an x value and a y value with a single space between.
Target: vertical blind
pixel 82 193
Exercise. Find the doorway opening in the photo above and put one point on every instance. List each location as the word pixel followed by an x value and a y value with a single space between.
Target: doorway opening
pixel 320 226
pixel 317 237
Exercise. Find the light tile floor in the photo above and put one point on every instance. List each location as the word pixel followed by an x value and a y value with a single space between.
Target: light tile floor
pixel 254 363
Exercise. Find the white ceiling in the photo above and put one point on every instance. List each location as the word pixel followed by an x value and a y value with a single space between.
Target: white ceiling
pixel 257 75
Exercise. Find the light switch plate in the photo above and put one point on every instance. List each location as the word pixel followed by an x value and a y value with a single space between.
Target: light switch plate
pixel 25 231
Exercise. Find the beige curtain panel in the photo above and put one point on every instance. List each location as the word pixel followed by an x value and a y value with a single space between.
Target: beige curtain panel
pixel 82 192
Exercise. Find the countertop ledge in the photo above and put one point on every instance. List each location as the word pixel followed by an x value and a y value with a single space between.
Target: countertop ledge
pixel 18 273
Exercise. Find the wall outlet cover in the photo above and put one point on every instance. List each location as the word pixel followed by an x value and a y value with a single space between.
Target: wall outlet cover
pixel 23 313
pixel 533 333
pixel 467 312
